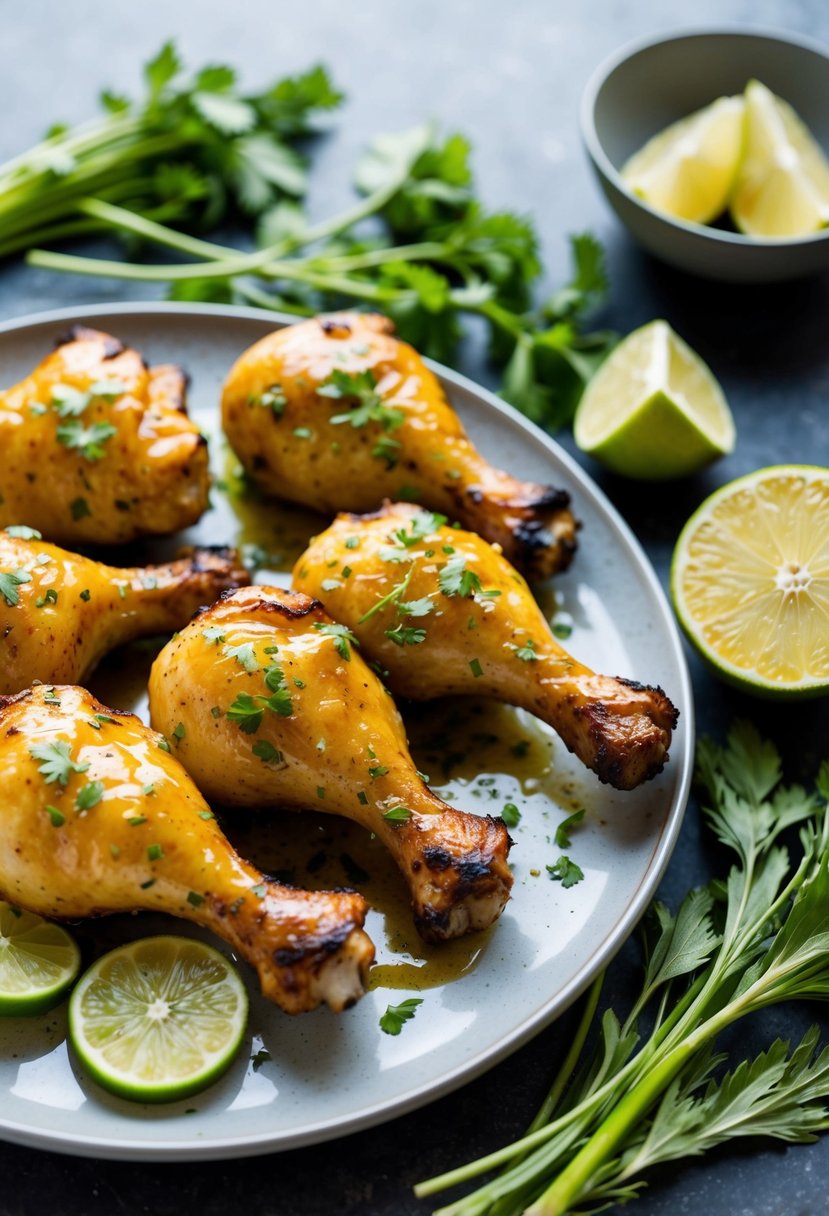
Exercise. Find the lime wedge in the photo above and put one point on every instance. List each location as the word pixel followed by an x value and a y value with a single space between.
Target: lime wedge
pixel 654 410
pixel 750 581
pixel 782 188
pixel 158 1019
pixel 688 170
pixel 38 962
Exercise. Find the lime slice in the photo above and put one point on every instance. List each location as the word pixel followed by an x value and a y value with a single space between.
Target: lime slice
pixel 782 189
pixel 688 170
pixel 38 962
pixel 750 581
pixel 654 410
pixel 158 1019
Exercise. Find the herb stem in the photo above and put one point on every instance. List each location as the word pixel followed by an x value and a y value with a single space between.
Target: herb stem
pixel 564 1074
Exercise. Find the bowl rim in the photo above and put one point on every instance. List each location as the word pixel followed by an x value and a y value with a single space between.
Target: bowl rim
pixel 595 148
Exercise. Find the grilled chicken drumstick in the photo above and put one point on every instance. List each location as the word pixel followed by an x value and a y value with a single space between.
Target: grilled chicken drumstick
pixel 60 613
pixel 338 414
pixel 268 704
pixel 98 818
pixel 98 448
pixel 445 613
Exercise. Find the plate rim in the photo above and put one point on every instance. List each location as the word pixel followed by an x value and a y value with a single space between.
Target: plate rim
pixel 228 1147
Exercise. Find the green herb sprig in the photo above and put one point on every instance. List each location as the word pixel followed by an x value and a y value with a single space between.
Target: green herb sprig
pixel 197 148
pixel 757 937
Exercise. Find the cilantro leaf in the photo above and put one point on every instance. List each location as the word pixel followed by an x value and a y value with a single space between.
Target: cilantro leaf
pixel 267 753
pixel 344 639
pixel 244 655
pixel 565 871
pixel 9 582
pixel 88 440
pixel 404 635
pixel 246 713
pixel 455 579
pixel 89 795
pixel 395 1017
pixel 56 763
pixel 280 702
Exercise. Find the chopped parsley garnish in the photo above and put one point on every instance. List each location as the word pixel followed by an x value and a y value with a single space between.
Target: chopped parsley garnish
pixel 272 398
pixel 455 579
pixel 9 582
pixel 419 527
pixel 387 449
pixel 79 508
pixel 57 818
pixel 214 634
pixel 180 731
pixel 244 655
pixel 303 432
pixel 395 1017
pixel 88 440
pixel 194 899
pixel 561 630
pixel 280 703
pixel 353 542
pixel 206 815
pixel 475 668
pixel 526 653
pixel 565 871
pixel 163 745
pixel 398 814
pixel 267 753
pixel 51 597
pixel 562 836
pixel 377 770
pixel 155 852
pixel 421 607
pixel 511 815
pixel 362 798
pixel 135 821
pixel 246 713
pixel 89 795
pixel 405 635
pixel 22 532
pixel 56 763
pixel 344 639
pixel 360 388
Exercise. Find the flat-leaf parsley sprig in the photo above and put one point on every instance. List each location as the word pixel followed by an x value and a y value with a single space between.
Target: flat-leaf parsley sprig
pixel 753 939
pixel 197 148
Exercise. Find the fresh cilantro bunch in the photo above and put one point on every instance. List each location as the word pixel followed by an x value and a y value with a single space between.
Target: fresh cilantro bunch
pixel 418 245
pixel 191 150
pixel 655 1088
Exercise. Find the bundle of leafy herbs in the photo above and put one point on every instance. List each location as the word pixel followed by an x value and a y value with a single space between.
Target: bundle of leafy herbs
pixel 418 245
pixel 758 937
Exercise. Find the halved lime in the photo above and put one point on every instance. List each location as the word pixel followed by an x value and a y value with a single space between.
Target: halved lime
pixel 782 188
pixel 38 962
pixel 158 1019
pixel 688 170
pixel 750 581
pixel 654 410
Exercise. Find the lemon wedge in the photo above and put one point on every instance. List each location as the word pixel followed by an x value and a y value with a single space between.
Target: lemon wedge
pixel 782 188
pixel 689 169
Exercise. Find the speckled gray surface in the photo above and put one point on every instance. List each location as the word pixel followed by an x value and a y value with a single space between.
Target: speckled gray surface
pixel 510 76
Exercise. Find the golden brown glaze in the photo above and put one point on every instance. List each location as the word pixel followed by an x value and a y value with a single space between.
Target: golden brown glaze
pixel 73 610
pixel 487 638
pixel 146 840
pixel 280 426
pixel 337 744
pixel 151 477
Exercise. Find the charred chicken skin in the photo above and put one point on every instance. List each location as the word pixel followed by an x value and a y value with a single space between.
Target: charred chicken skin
pixel 443 612
pixel 60 613
pixel 98 818
pixel 338 414
pixel 270 705
pixel 98 448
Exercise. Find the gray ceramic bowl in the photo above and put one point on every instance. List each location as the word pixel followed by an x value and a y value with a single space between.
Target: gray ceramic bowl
pixel 644 87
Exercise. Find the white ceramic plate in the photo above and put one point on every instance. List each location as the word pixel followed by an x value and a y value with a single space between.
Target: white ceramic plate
pixel 329 1075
